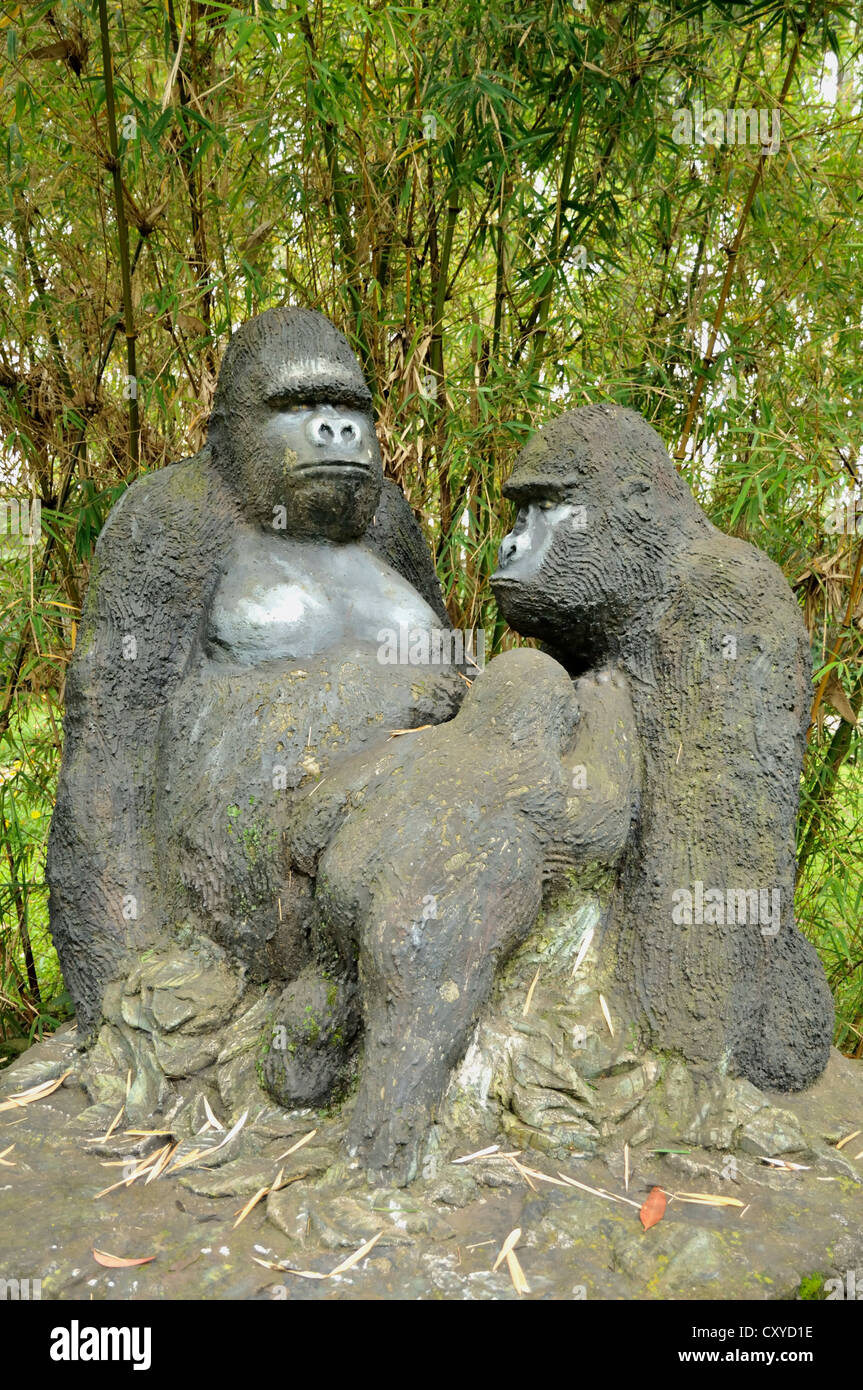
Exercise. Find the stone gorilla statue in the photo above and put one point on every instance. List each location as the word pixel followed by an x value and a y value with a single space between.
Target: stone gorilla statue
pixel 228 653
pixel 611 561
pixel 229 769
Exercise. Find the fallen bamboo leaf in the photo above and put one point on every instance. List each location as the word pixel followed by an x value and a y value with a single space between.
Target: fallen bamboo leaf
pixel 250 1206
pixel 214 1123
pixel 197 1155
pixel 397 733
pixel 118 1262
pixel 339 1269
pixel 480 1153
pixel 654 1208
pixel 188 1159
pixel 273 1264
pixel 606 1015
pixel 299 1144
pixel 158 1168
pixel 848 1138
pixel 857 1157
pixel 262 1192
pixel 45 1088
pixel 785 1163
pixel 103 1139
pixel 231 1134
pixel 626 1167
pixel 707 1199
pixel 298 1177
pixel 516 1274
pixel 524 1173
pixel 526 1010
pixel 544 1177
pixel 4 1160
pixel 512 1239
pixel 599 1192
pixel 583 948
pixel 138 1172
pixel 355 1259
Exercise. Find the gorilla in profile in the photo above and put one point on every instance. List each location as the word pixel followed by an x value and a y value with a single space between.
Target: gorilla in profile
pixel 611 560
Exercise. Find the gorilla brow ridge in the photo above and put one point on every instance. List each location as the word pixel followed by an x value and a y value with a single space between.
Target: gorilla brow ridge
pixel 290 336
pixel 576 447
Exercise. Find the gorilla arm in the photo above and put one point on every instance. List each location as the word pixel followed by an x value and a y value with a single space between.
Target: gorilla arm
pixel 153 573
pixel 395 535
pixel 604 768
pixel 473 817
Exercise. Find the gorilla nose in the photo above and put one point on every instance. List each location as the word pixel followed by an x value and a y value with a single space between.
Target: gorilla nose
pixel 333 431
pixel 507 550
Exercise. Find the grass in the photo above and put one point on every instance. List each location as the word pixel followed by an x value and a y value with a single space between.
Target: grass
pixel 32 995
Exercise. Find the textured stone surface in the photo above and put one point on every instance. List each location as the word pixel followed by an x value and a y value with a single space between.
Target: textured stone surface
pixel 438 1237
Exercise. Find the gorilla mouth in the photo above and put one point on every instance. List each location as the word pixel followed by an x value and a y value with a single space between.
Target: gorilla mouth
pixel 334 466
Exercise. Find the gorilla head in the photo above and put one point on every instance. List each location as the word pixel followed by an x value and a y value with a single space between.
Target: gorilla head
pixel 292 428
pixel 600 511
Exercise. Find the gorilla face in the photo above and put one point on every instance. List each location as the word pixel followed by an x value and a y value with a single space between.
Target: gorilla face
pixel 317 459
pixel 581 558
pixel 292 429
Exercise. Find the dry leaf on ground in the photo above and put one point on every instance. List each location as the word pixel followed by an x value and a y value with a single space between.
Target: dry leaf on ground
pixel 35 1093
pixel 654 1208
pixel 118 1261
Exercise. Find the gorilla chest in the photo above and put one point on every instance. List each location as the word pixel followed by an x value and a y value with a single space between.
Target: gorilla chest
pixel 281 598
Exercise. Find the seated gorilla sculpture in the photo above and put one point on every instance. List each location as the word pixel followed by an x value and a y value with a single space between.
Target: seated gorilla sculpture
pixel 612 561
pixel 227 652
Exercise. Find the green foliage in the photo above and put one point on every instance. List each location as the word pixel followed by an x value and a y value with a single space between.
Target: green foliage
pixel 812 1288
pixel 492 203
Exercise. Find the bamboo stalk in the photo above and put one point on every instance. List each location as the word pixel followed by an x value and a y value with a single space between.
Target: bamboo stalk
pixel 733 254
pixel 122 241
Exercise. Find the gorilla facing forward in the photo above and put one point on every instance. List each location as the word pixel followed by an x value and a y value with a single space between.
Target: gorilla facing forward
pixel 227 654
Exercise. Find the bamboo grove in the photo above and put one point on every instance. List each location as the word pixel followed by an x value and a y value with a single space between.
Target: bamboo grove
pixel 508 210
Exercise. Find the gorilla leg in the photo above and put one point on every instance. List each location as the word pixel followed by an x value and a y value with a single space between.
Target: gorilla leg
pixel 423 983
